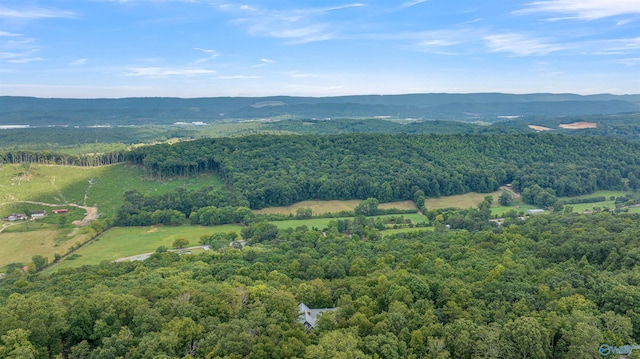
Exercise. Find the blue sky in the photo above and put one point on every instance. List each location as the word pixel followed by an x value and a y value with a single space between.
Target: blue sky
pixel 199 48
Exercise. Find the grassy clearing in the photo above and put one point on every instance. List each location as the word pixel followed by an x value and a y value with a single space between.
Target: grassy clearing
pixel 466 200
pixel 634 210
pixel 581 207
pixel 398 205
pixel 122 242
pixel 517 206
pixel 18 246
pixel 103 187
pixel 320 207
pixel 321 223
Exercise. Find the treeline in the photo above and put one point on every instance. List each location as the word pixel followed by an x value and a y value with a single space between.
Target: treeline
pixel 550 287
pixel 57 158
pixel 280 170
pixel 206 206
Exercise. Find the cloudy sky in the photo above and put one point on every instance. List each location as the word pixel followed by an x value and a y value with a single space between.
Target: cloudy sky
pixel 195 48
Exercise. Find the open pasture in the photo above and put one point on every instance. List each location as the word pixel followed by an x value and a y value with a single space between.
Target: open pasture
pixel 321 223
pixel 17 245
pixel 321 207
pixel 120 242
pixel 466 200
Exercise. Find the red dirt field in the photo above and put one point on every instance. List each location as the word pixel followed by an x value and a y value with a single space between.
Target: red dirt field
pixel 539 128
pixel 579 125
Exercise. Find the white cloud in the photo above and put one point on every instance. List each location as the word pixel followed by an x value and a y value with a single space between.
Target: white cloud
pixel 35 13
pixel 629 62
pixel 411 3
pixel 208 51
pixel 167 71
pixel 212 54
pixel 298 26
pixel 584 9
pixel 300 75
pixel 77 62
pixel 238 77
pixel 264 62
pixel 17 57
pixel 25 60
pixel 8 34
pixel 520 45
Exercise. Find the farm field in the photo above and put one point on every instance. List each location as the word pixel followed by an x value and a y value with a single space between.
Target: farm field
pixel 119 242
pixel 466 200
pixel 323 222
pixel 320 207
pixel 19 246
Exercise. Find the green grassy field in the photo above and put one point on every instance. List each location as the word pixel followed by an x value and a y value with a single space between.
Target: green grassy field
pixel 589 206
pixel 122 242
pixel 18 245
pixel 320 207
pixel 321 223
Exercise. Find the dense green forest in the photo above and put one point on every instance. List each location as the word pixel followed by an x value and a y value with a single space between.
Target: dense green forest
pixel 554 286
pixel 280 170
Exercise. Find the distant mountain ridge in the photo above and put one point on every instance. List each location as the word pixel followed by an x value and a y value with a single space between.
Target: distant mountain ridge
pixel 436 106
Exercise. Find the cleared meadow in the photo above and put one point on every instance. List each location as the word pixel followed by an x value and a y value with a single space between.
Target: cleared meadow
pixel 466 200
pixel 19 247
pixel 321 207
pixel 321 223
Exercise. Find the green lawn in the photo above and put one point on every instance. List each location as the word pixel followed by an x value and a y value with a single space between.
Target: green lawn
pixel 119 242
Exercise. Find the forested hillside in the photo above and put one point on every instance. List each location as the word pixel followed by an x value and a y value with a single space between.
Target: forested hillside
pixel 280 170
pixel 551 287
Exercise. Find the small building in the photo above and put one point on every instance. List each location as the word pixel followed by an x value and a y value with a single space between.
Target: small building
pixel 59 211
pixel 535 211
pixel 15 217
pixel 308 316
pixel 38 214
